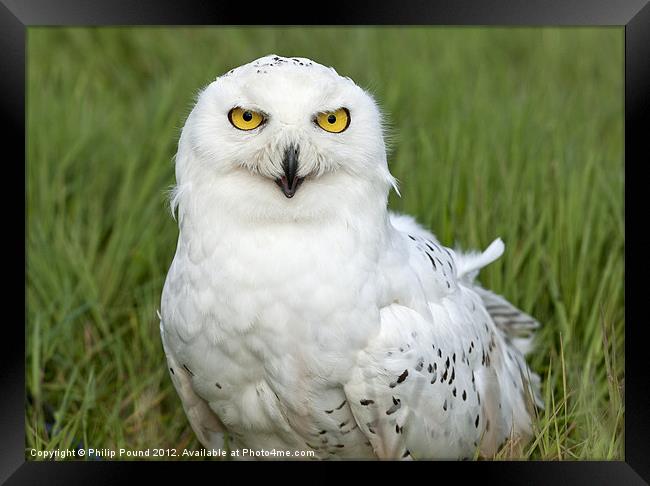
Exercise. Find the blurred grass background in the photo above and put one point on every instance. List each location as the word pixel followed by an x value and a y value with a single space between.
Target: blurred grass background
pixel 511 132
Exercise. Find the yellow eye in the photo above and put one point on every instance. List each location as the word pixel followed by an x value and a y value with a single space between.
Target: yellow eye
pixel 334 121
pixel 245 119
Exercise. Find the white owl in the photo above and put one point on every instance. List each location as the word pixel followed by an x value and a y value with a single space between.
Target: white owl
pixel 299 314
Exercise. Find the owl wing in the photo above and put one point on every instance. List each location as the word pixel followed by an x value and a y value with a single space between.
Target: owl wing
pixel 408 395
pixel 442 384
pixel 205 423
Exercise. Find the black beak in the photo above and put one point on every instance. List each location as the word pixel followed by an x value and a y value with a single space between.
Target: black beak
pixel 289 183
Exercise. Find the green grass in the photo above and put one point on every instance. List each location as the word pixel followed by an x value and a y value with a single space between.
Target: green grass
pixel 515 133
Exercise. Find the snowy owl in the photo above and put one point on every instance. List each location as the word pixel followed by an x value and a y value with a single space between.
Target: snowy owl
pixel 299 314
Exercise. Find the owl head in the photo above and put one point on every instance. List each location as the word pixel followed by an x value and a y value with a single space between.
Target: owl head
pixel 282 139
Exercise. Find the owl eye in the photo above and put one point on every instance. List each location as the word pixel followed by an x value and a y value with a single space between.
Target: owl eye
pixel 334 121
pixel 244 119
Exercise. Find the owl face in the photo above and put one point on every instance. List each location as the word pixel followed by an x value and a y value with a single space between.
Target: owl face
pixel 283 137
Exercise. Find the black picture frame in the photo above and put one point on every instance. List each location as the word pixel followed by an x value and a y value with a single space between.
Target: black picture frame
pixel 634 15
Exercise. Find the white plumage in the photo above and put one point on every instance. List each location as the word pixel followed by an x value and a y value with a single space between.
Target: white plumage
pixel 299 314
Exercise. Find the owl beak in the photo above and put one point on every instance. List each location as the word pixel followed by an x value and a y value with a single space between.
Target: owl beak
pixel 289 182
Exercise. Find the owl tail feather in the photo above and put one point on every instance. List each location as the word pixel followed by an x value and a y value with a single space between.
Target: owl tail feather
pixel 516 325
pixel 470 263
